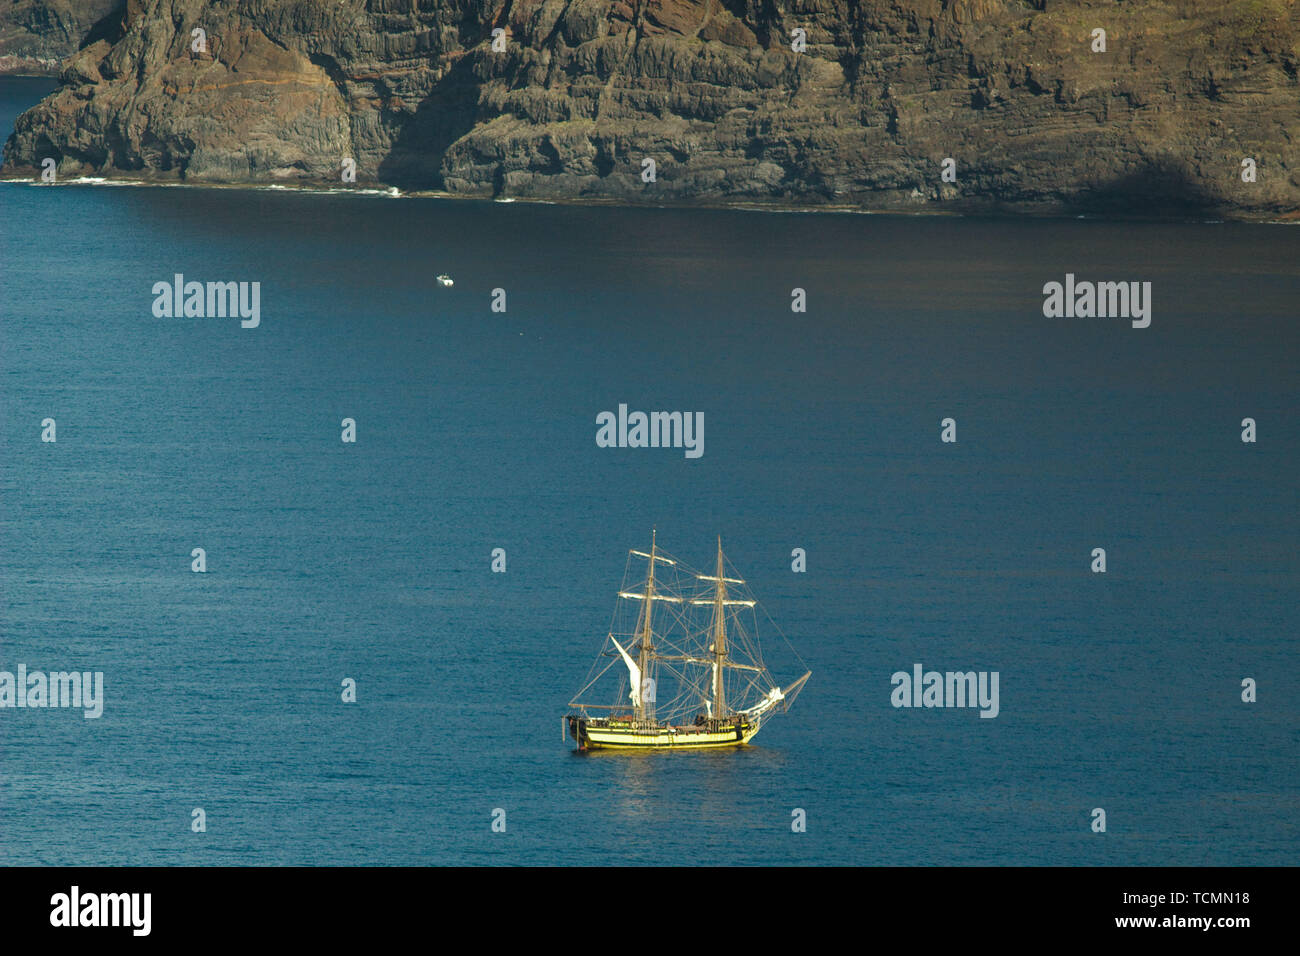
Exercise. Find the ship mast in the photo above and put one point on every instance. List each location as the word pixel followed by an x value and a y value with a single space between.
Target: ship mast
pixel 720 640
pixel 644 710
pixel 721 602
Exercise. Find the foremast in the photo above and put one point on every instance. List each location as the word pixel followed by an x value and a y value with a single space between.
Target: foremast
pixel 645 709
pixel 643 703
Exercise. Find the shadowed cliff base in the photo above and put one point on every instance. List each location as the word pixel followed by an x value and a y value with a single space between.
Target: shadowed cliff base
pixel 444 116
pixel 1162 188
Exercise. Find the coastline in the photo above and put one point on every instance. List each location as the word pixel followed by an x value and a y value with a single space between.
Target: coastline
pixel 968 210
pixel 31 68
pixel 744 123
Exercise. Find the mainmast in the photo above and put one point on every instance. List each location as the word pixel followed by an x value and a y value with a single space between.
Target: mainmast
pixel 645 709
pixel 720 604
pixel 720 640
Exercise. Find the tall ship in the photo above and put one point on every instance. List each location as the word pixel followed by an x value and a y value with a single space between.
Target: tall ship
pixel 681 666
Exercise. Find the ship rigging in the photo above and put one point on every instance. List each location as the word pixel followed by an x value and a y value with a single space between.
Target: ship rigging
pixel 683 661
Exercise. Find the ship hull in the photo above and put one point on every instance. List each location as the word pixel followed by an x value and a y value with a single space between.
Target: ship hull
pixel 609 735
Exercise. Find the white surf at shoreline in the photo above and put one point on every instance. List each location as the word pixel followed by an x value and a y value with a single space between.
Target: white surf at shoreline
pixel 393 192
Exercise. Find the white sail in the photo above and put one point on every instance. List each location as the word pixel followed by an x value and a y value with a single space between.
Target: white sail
pixel 634 673
pixel 774 697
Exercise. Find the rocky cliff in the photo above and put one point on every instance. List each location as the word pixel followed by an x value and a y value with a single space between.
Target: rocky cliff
pixel 847 102
pixel 35 35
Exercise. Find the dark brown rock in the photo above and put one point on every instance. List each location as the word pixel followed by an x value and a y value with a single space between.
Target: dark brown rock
pixel 37 35
pixel 711 90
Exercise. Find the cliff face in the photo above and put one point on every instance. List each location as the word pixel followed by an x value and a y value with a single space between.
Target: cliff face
pixel 35 35
pixel 711 90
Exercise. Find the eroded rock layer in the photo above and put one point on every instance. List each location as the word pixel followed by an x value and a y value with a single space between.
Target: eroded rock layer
pixel 864 113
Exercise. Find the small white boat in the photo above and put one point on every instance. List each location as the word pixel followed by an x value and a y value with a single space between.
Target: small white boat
pixel 444 280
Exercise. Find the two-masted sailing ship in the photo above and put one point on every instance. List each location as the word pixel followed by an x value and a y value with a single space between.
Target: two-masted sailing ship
pixel 681 666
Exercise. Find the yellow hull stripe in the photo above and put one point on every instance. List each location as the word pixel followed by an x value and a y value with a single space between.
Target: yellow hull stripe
pixel 614 740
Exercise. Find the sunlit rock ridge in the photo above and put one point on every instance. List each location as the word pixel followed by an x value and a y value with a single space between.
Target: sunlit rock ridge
pixel 1034 117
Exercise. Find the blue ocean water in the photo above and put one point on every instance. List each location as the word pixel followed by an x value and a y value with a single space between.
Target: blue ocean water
pixel 476 430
